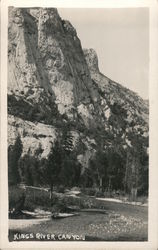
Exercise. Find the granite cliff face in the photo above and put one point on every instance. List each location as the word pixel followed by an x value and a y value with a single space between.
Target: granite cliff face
pixel 52 82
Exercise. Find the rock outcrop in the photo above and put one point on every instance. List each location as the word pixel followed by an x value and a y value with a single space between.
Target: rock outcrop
pixel 52 82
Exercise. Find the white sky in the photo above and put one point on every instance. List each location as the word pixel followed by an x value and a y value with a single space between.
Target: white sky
pixel 121 40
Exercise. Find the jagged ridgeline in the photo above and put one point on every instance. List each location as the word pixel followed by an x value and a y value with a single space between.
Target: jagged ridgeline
pixel 67 122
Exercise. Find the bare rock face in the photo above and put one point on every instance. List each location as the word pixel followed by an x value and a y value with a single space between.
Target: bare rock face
pixel 33 136
pixel 92 60
pixel 46 62
pixel 52 82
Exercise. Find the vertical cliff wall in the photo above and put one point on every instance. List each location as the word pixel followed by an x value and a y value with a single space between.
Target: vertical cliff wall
pixel 53 83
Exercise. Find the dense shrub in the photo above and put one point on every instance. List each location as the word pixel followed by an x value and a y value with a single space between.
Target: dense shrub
pixel 87 203
pixel 89 191
pixel 99 194
pixel 71 201
pixel 59 206
pixel 29 205
pixel 61 189
pixel 81 202
pixel 16 198
pixel 35 198
pixel 108 194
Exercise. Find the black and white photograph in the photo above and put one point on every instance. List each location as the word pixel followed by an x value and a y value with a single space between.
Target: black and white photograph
pixel 78 124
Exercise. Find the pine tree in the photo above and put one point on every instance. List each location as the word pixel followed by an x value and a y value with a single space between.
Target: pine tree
pixel 70 167
pixel 14 153
pixel 136 175
pixel 98 166
pixel 53 166
pixel 30 169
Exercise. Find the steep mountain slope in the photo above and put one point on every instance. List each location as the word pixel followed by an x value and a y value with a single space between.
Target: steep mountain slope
pixel 53 84
pixel 118 101
pixel 47 65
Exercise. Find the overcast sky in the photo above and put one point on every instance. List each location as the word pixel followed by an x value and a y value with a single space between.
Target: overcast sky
pixel 121 40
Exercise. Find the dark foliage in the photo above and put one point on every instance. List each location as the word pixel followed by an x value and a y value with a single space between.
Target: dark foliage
pixel 14 153
pixel 16 199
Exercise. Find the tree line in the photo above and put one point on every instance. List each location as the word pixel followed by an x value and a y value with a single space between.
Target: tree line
pixel 110 169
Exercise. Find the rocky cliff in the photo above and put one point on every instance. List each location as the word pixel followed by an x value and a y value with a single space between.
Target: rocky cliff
pixel 53 83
